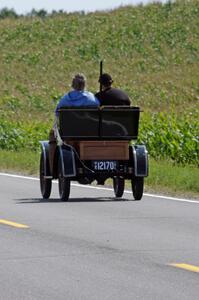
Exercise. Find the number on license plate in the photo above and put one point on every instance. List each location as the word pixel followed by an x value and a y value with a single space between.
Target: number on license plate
pixel 105 165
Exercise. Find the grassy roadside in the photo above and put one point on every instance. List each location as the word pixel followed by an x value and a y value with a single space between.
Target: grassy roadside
pixel 165 178
pixel 19 162
pixel 173 179
pixel 151 51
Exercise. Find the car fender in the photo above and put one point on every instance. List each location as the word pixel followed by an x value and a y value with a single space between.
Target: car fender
pixel 45 152
pixel 140 160
pixel 67 158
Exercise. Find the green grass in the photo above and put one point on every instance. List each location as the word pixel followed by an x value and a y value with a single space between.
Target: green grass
pixel 23 162
pixel 173 179
pixel 165 136
pixel 164 177
pixel 152 53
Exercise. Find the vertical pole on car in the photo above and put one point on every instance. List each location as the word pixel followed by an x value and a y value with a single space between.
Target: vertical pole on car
pixel 100 113
pixel 101 71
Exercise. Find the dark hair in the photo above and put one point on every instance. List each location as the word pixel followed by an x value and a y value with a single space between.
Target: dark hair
pixel 105 79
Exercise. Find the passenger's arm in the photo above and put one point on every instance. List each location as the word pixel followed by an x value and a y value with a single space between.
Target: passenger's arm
pixel 62 102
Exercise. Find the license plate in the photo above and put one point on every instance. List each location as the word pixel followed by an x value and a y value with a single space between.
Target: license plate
pixel 105 165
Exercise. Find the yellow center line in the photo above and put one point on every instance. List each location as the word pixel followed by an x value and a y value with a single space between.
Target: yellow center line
pixel 186 267
pixel 14 224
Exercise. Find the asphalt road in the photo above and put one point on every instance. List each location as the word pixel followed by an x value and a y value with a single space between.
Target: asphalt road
pixel 94 247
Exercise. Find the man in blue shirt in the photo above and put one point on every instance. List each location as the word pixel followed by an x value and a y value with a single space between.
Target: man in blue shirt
pixel 78 96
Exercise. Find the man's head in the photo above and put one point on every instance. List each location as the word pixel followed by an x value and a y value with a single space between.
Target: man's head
pixel 79 82
pixel 105 80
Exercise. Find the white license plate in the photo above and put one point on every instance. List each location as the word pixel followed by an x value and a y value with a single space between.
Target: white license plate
pixel 102 165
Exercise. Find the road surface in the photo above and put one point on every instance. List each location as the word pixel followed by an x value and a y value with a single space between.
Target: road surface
pixel 95 247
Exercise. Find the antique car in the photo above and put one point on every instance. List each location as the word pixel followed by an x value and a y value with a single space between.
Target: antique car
pixel 94 144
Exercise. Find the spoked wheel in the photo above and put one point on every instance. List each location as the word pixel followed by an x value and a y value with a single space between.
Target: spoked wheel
pixel 64 184
pixel 45 183
pixel 137 184
pixel 118 185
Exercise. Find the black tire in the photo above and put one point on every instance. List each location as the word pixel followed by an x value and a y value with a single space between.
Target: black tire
pixel 118 186
pixel 137 184
pixel 45 183
pixel 64 184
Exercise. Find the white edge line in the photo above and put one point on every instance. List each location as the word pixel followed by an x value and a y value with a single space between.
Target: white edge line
pixel 104 188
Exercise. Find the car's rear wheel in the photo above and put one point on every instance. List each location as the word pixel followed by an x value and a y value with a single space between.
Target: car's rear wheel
pixel 45 183
pixel 64 184
pixel 118 186
pixel 137 184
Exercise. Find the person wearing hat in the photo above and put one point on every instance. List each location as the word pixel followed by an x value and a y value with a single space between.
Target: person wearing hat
pixel 109 95
pixel 78 96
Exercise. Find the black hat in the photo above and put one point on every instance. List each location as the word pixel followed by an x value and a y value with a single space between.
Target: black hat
pixel 105 79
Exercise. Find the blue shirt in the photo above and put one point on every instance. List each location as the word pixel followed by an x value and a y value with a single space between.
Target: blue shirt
pixel 77 98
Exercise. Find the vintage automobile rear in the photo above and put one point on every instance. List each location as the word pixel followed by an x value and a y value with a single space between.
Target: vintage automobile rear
pixel 95 144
